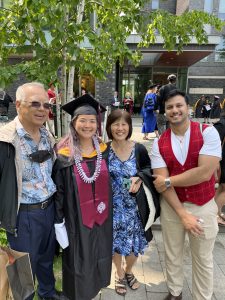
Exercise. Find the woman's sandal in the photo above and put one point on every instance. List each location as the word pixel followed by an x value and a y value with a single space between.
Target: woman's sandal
pixel 120 285
pixel 131 281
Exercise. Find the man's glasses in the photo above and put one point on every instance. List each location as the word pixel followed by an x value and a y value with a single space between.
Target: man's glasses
pixel 37 104
pixel 41 155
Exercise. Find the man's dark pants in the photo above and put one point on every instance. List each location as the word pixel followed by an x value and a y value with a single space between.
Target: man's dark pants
pixel 36 235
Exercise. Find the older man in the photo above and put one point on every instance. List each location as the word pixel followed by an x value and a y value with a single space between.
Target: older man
pixel 26 187
pixel 184 160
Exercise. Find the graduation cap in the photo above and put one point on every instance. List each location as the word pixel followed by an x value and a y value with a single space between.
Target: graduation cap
pixel 84 105
pixel 216 97
pixel 152 86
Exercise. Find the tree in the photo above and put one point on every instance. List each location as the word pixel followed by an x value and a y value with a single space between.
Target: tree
pixel 60 36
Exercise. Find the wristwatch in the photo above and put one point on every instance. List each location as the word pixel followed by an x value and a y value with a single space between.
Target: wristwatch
pixel 167 182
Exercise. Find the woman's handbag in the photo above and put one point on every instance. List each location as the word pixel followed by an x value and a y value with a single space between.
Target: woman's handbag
pixel 16 279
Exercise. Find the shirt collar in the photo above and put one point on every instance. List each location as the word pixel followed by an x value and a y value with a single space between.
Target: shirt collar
pixel 24 134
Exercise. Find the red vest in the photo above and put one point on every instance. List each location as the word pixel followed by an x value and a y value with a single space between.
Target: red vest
pixel 198 194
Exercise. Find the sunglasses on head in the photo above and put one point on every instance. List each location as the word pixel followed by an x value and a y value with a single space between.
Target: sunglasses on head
pixel 41 155
pixel 37 104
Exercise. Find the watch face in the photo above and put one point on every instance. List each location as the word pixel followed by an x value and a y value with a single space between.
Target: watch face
pixel 167 182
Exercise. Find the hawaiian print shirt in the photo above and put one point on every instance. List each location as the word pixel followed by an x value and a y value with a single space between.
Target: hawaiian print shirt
pixel 37 184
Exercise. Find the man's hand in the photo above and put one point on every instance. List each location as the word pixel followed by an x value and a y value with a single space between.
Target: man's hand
pixel 192 224
pixel 159 183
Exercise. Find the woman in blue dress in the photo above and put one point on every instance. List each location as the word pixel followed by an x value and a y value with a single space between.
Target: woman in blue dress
pixel 148 112
pixel 129 237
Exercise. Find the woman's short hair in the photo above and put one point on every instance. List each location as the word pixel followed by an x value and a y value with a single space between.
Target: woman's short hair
pixel 116 115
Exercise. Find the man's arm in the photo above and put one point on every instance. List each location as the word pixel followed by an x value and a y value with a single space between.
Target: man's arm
pixel 207 165
pixel 189 221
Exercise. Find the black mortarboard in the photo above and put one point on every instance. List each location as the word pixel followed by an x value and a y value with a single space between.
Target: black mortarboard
pixel 86 102
pixel 152 86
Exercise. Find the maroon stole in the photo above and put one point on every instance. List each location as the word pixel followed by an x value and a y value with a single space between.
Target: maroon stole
pixel 94 202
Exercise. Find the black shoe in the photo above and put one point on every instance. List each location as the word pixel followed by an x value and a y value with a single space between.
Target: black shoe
pixel 171 297
pixel 56 296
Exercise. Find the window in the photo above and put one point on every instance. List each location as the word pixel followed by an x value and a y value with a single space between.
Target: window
pixel 5 3
pixel 155 4
pixel 220 50
pixel 205 59
pixel 208 6
pixel 221 13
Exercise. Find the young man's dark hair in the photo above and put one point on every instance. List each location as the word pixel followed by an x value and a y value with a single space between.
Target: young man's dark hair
pixel 177 92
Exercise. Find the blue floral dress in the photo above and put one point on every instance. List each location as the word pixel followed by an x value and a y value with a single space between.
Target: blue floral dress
pixel 128 232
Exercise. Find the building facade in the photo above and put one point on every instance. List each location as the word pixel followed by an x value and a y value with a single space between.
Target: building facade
pixel 200 69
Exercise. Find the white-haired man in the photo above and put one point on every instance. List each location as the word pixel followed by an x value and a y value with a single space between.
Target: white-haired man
pixel 26 187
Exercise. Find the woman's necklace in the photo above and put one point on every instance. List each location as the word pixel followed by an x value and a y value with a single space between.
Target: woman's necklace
pixel 80 170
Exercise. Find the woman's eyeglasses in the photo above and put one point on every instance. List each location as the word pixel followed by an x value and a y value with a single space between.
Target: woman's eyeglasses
pixel 37 104
pixel 41 155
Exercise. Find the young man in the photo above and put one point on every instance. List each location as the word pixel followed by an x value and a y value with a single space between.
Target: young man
pixel 26 186
pixel 184 160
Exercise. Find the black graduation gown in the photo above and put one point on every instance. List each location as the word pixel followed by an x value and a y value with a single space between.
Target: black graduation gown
pixel 87 262
pixel 220 126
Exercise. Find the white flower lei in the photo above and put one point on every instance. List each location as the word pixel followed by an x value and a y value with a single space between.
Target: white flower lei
pixel 80 170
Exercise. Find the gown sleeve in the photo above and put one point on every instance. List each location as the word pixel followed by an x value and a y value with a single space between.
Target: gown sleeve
pixel 58 178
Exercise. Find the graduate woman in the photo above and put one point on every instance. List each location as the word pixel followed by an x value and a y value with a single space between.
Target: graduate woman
pixel 83 202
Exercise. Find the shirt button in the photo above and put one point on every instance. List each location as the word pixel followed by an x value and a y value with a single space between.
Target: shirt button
pixel 187 196
pixel 185 190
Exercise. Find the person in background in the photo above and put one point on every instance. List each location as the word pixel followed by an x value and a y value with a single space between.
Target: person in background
pixel 162 95
pixel 220 192
pixel 206 109
pixel 129 166
pixel 52 111
pixel 198 107
pixel 148 112
pixel 216 108
pixel 83 91
pixel 83 203
pixel 5 99
pixel 184 160
pixel 115 101
pixel 26 187
pixel 128 103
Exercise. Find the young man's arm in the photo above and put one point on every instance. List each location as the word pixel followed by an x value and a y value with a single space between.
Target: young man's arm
pixel 189 221
pixel 207 165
